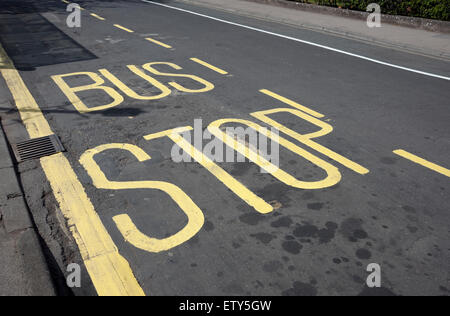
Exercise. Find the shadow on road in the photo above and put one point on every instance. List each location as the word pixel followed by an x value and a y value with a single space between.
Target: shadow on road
pixel 114 112
pixel 31 40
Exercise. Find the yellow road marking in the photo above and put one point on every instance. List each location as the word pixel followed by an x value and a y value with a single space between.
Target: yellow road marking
pixel 109 271
pixel 165 91
pixel 158 42
pixel 97 17
pixel 208 85
pixel 5 62
pixel 292 103
pixel 235 186
pixel 30 112
pixel 203 63
pixel 333 176
pixel 423 162
pixel 123 28
pixel 124 223
pixel 306 139
pixel 117 98
pixel 81 8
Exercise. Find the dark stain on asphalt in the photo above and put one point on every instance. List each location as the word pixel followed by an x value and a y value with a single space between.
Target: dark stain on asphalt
pixel 209 226
pixel 306 230
pixel 292 247
pixel 300 289
pixel 315 206
pixel 285 221
pixel 443 289
pixel 325 235
pixel 358 279
pixel 251 218
pixel 308 195
pixel 265 238
pixel 240 169
pixel 363 254
pixel 352 229
pixel 360 234
pixel 276 191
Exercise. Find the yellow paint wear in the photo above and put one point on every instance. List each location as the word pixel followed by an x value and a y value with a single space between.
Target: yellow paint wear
pixel 109 271
pixel 124 223
pixel 333 174
pixel 208 86
pixel 235 186
pixel 97 85
pixel 325 129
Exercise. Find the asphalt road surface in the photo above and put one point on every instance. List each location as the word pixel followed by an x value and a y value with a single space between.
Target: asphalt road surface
pixel 348 192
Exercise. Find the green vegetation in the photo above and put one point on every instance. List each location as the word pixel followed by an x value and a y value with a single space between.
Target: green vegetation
pixel 429 9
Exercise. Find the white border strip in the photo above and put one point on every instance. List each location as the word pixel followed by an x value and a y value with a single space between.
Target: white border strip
pixel 304 42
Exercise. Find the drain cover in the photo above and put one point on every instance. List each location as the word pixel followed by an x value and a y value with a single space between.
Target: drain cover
pixel 37 148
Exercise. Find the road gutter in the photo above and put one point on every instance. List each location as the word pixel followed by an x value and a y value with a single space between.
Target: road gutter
pixel 110 273
pixel 24 267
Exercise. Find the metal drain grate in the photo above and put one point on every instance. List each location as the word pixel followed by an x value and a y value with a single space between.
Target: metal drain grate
pixel 37 148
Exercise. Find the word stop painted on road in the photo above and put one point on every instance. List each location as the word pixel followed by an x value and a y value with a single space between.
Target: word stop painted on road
pixel 192 211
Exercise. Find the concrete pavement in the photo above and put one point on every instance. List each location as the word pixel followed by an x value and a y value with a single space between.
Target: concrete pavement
pixel 393 36
pixel 23 266
pixel 140 223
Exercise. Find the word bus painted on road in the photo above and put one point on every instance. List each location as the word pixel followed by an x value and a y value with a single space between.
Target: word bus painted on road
pixel 116 97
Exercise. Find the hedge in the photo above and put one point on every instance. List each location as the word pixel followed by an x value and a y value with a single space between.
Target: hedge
pixel 429 9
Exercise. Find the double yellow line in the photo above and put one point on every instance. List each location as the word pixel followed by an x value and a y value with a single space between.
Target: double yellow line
pixel 109 271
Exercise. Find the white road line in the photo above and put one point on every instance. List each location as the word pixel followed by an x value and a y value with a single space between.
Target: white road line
pixel 304 42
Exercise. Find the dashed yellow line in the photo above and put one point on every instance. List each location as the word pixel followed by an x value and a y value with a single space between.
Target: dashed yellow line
pixel 67 2
pixel 214 68
pixel 422 162
pixel 109 271
pixel 158 42
pixel 98 17
pixel 123 28
pixel 292 103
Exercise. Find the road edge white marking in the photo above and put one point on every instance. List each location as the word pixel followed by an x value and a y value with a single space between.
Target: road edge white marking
pixel 303 41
